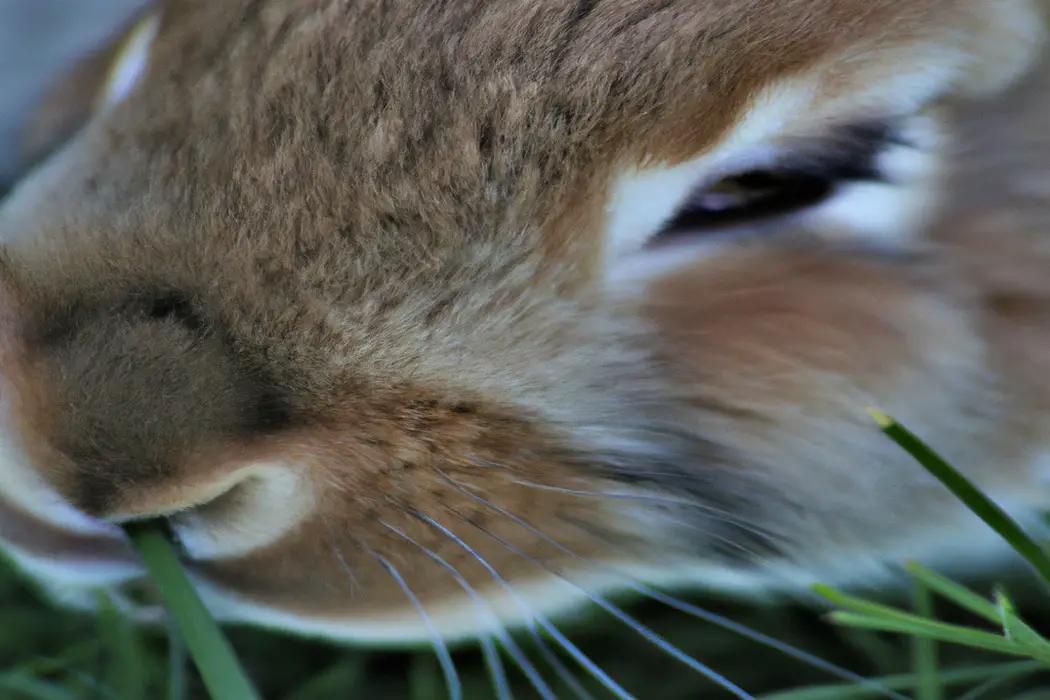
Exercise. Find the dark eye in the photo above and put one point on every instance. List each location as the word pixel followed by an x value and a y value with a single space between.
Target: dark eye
pixel 806 176
pixel 750 197
pixel 176 307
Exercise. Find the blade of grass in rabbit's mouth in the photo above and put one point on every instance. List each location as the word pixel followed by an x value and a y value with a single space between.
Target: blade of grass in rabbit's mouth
pixel 215 659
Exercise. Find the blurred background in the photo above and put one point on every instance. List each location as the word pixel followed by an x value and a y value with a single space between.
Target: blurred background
pixel 38 40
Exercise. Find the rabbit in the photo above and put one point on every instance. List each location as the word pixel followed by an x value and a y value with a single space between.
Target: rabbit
pixel 419 321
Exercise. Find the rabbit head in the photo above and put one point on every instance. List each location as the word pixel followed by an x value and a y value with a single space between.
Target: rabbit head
pixel 410 317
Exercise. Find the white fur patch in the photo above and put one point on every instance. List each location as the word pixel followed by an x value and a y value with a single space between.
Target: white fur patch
pixel 268 500
pixel 644 199
pixel 1001 56
pixel 895 210
pixel 131 63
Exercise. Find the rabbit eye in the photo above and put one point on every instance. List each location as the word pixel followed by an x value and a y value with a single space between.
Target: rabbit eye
pixel 749 197
pixel 803 178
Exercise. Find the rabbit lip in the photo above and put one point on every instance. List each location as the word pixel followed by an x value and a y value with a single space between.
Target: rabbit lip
pixel 36 536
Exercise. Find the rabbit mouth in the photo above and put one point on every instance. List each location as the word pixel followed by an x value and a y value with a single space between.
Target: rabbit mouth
pixel 28 532
pixel 71 563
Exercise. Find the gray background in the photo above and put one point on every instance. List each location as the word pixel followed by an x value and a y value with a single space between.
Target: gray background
pixel 39 39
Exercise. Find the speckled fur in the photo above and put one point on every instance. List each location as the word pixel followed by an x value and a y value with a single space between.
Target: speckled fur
pixel 362 241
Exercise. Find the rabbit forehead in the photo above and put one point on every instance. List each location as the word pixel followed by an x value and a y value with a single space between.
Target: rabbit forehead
pixel 448 124
pixel 417 157
pixel 392 134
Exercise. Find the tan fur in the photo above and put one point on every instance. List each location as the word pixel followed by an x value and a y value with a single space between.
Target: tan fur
pixel 371 238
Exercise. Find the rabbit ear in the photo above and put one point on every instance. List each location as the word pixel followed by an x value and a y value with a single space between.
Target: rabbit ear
pixel 130 61
pixel 96 83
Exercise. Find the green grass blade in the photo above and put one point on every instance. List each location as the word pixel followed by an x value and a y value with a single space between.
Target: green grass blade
pixel 1017 630
pixel 126 664
pixel 337 681
pixel 1006 612
pixel 868 608
pixel 960 595
pixel 949 634
pixel 30 688
pixel 178 688
pixel 964 490
pixel 982 691
pixel 924 650
pixel 425 679
pixel 219 669
pixel 41 665
pixel 908 681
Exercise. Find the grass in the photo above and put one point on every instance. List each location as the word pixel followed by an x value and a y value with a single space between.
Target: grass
pixel 220 671
pixel 980 646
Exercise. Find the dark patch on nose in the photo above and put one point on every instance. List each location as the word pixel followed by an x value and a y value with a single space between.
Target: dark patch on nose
pixel 272 410
pixel 61 321
pixel 138 387
pixel 57 324
pixel 174 306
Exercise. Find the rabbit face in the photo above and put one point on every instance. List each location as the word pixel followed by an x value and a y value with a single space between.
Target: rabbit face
pixel 409 318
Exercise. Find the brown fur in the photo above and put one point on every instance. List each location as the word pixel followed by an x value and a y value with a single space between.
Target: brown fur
pixel 362 241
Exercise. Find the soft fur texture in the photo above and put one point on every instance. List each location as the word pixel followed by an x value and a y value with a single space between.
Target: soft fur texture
pixel 339 289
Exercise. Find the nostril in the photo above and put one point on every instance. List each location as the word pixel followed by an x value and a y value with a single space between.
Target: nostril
pixel 271 411
pixel 174 306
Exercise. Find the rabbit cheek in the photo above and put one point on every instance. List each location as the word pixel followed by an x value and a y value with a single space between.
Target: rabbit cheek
pixel 408 511
pixel 798 346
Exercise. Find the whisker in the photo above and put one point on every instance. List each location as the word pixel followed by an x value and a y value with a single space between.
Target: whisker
pixel 610 495
pixel 448 667
pixel 766 640
pixel 724 515
pixel 582 659
pixel 725 540
pixel 508 642
pixel 635 625
pixel 355 586
pixel 560 669
pixel 495 667
pixel 535 618
pixel 712 618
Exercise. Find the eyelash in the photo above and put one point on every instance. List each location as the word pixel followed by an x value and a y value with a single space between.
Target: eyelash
pixel 809 175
